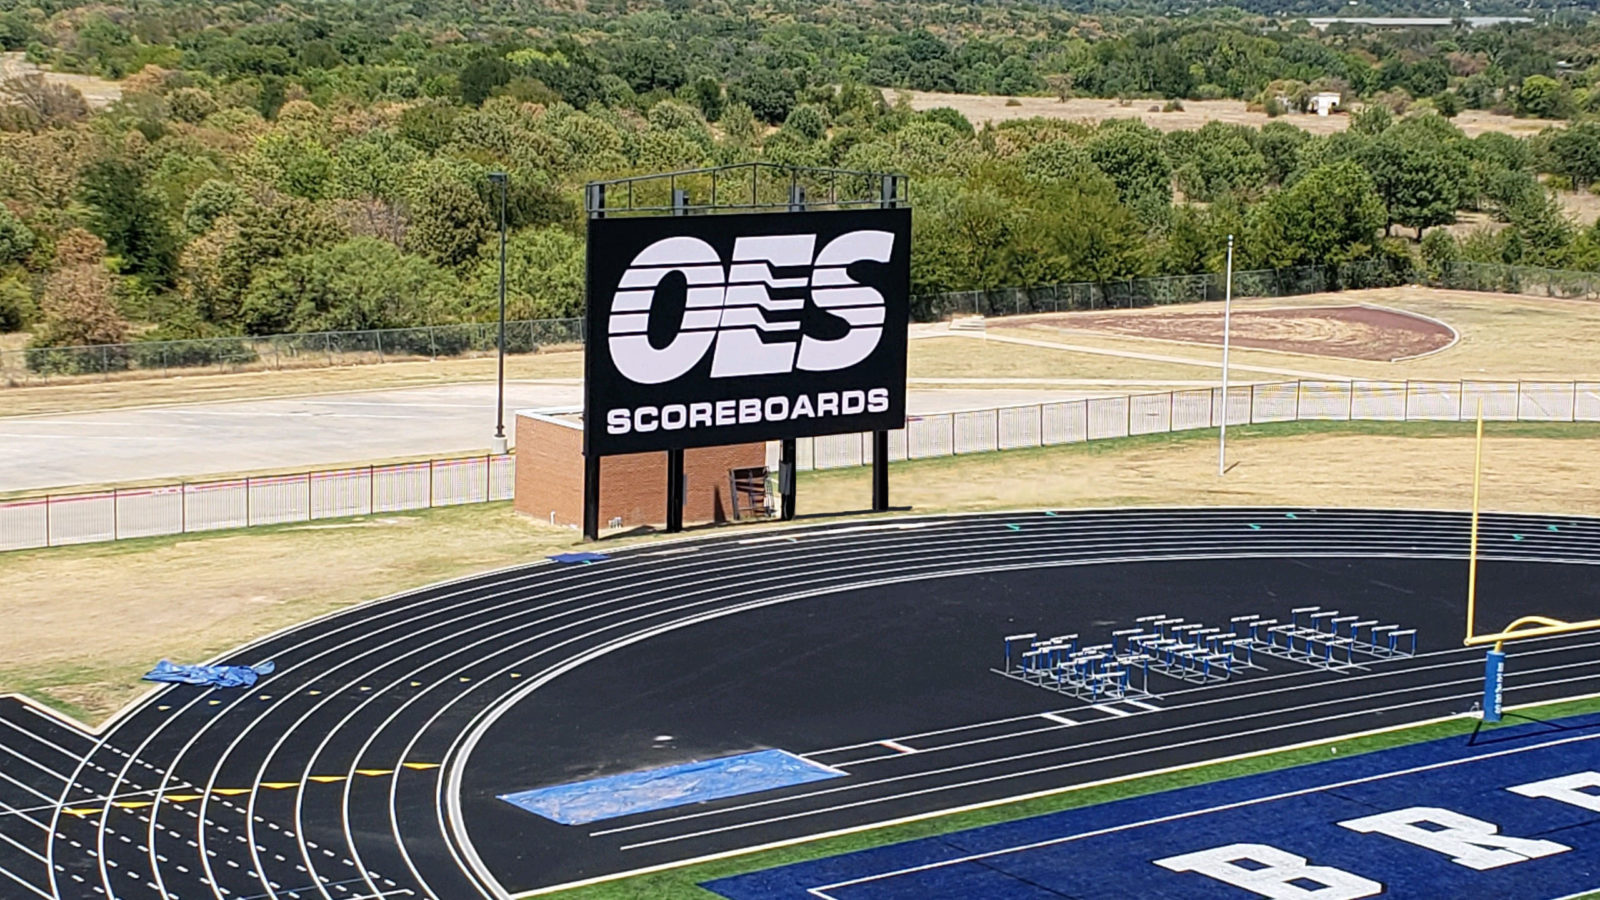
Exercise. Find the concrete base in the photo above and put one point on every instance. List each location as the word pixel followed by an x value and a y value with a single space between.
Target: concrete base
pixel 497 446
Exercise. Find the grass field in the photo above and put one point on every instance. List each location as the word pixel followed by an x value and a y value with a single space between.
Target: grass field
pixel 1503 336
pixel 980 108
pixel 190 597
pixel 683 883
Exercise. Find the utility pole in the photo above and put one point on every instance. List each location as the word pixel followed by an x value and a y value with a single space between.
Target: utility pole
pixel 1227 315
pixel 499 446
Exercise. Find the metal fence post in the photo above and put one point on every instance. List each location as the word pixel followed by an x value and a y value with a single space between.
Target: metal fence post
pixel 327 346
pixel 105 363
pixel 430 484
pixel 1298 387
pixel 116 515
pixel 310 503
pixel 1405 403
pixel 247 501
pixel 997 428
pixel 183 508
pixel 488 479
pixel 1516 413
pixel 372 490
pixel 47 520
pixel 1350 391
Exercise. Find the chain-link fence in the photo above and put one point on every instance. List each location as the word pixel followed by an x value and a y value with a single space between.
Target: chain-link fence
pixel 1075 421
pixel 153 359
pixel 1132 293
pixel 81 518
pixel 157 359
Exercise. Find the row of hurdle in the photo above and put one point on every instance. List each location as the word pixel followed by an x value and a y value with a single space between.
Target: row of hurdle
pixel 1197 653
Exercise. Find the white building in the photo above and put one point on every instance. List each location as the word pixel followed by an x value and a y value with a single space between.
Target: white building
pixel 1324 103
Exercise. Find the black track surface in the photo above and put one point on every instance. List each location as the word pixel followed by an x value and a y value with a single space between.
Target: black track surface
pixel 369 765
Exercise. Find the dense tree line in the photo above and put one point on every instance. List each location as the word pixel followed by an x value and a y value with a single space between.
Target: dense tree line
pixel 328 170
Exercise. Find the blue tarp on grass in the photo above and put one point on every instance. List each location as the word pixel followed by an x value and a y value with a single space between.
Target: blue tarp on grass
pixel 614 796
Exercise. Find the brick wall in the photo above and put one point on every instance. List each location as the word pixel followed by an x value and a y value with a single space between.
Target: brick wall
pixel 633 486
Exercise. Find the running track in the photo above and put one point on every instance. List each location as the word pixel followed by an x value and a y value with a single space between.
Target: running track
pixel 367 766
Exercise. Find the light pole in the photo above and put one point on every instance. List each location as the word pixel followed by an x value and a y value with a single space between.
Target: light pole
pixel 501 179
pixel 1227 314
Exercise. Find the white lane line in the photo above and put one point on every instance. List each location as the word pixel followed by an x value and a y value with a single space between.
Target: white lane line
pixel 1033 754
pixel 37 765
pixel 1142 705
pixel 13 842
pixel 1071 765
pixel 1055 718
pixel 1178 817
pixel 897 746
pixel 1210 697
pixel 36 738
pixel 1112 710
pixel 24 882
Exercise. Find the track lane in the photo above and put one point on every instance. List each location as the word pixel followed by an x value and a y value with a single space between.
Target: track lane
pixel 816 559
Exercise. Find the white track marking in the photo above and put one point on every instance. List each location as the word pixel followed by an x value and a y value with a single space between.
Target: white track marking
pixel 1143 705
pixel 1061 720
pixel 1110 710
pixel 898 747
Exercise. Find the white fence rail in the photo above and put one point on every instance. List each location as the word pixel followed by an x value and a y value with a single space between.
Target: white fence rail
pixel 57 519
pixel 1075 421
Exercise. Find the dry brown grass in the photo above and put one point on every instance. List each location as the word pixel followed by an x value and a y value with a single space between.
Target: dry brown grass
pixel 1195 113
pixel 963 357
pixel 1503 336
pixel 191 598
pixel 1271 466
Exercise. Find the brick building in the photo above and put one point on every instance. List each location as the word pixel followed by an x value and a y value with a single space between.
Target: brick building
pixel 633 487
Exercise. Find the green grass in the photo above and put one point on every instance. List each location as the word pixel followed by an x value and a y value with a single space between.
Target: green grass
pixel 683 883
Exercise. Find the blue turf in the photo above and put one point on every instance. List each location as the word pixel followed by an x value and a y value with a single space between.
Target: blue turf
pixel 614 796
pixel 1121 864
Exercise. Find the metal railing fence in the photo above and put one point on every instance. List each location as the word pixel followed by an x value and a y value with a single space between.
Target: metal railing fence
pixel 182 508
pixel 87 517
pixel 1101 418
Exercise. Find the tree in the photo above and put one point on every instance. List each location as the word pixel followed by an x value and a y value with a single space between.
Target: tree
pixel 16 239
pixel 480 76
pixel 360 284
pixel 1542 97
pixel 130 219
pixel 77 309
pixel 769 94
pixel 706 94
pixel 544 277
pixel 807 121
pixel 16 305
pixel 1331 215
pixel 448 222
pixel 211 201
pixel 1420 183
pixel 191 104
pixel 1131 154
pixel 1574 151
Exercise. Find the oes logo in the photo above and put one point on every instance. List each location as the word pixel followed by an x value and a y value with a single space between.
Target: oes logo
pixel 726 308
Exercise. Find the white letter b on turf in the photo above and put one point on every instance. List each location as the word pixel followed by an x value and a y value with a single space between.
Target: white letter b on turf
pixel 1468 842
pixel 1273 873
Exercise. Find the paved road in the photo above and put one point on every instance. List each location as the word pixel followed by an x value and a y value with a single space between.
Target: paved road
pixel 299 433
pixel 368 765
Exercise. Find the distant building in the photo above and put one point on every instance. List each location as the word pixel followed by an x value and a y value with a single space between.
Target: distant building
pixel 1323 103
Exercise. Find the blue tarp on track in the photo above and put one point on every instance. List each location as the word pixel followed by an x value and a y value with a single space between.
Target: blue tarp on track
pixel 614 796
pixel 212 676
pixel 582 556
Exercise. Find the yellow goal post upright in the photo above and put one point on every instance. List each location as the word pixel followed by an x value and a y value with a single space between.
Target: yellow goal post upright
pixel 1525 627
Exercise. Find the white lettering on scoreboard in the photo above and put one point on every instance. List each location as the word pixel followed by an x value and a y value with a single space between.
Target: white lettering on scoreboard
pixel 745 411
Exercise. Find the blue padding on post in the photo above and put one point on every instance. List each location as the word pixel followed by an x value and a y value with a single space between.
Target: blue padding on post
pixel 614 796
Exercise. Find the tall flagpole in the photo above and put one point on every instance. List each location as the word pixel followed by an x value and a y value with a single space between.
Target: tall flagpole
pixel 1227 316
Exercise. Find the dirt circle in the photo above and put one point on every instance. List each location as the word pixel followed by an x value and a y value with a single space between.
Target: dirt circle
pixel 1345 332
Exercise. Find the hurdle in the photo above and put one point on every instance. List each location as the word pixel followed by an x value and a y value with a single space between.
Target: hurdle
pixel 1094 673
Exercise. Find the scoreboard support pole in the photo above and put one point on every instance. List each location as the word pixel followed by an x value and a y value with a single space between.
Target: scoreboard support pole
pixel 788 451
pixel 591 462
pixel 880 471
pixel 675 491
